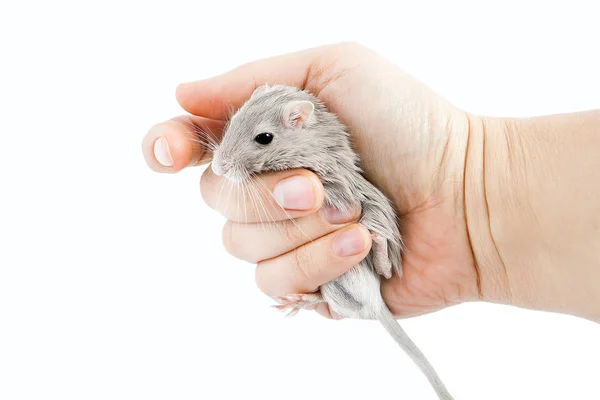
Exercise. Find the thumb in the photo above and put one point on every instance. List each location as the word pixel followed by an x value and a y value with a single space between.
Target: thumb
pixel 214 97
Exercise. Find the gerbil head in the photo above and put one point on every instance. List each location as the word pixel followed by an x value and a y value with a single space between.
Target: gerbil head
pixel 279 127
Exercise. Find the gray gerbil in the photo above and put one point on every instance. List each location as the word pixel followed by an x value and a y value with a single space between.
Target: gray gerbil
pixel 282 127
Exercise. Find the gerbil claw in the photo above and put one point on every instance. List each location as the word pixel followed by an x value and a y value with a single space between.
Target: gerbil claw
pixel 282 308
pixel 295 302
pixel 293 312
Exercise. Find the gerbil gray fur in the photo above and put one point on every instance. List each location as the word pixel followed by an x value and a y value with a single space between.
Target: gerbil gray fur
pixel 304 134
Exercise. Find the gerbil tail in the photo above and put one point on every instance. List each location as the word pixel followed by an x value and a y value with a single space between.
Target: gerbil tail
pixel 395 330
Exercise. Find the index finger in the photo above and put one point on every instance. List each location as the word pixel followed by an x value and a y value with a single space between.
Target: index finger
pixel 307 69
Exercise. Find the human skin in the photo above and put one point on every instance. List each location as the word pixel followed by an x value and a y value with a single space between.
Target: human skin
pixel 493 209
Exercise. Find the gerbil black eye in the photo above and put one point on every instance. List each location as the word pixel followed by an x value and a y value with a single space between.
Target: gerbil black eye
pixel 264 138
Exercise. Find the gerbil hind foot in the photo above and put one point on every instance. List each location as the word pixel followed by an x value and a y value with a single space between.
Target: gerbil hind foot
pixel 296 302
pixel 381 260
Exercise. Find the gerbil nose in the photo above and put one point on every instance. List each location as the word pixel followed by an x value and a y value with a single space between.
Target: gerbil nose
pixel 217 165
pixel 217 169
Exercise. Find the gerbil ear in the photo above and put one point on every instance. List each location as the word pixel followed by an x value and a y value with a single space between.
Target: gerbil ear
pixel 298 113
pixel 261 89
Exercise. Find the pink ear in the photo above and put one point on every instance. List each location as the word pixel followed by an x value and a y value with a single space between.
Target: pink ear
pixel 298 113
pixel 260 90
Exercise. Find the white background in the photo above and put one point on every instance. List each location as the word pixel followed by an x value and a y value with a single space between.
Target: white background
pixel 114 283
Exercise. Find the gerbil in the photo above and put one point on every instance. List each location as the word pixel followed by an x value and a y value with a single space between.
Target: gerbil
pixel 283 127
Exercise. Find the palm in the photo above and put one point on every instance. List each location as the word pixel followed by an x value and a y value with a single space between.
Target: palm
pixel 438 268
pixel 409 141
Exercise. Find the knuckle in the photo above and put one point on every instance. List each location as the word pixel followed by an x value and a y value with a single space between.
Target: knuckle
pixel 291 231
pixel 227 237
pixel 260 280
pixel 301 262
pixel 235 240
pixel 220 196
pixel 205 183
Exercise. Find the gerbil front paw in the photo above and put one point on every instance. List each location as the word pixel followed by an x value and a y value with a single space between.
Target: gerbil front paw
pixel 295 302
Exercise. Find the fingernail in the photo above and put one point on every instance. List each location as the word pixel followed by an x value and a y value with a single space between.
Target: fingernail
pixel 349 242
pixel 335 216
pixel 295 193
pixel 162 152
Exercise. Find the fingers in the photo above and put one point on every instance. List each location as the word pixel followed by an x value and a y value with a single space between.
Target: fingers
pixel 180 142
pixel 269 197
pixel 169 147
pixel 213 97
pixel 304 269
pixel 257 242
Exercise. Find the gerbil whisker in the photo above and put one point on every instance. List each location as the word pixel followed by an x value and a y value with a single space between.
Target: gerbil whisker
pixel 196 139
pixel 261 201
pixel 244 191
pixel 211 135
pixel 193 127
pixel 237 197
pixel 203 146
pixel 202 141
pixel 196 135
pixel 269 220
pixel 257 204
pixel 222 185
pixel 211 146
pixel 266 189
pixel 229 185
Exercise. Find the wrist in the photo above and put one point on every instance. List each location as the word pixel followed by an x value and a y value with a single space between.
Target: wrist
pixel 531 190
pixel 482 226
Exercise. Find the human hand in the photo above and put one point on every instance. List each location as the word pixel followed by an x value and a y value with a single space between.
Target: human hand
pixel 412 145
